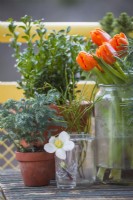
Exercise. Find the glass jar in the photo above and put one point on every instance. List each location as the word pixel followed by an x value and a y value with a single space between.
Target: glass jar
pixel 114 133
pixel 85 153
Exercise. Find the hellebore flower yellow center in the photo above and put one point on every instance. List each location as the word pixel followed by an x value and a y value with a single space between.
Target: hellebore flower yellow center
pixel 58 143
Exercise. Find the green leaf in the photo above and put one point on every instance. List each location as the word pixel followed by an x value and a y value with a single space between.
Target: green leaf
pixel 34 35
pixel 26 19
pixel 23 27
pixel 68 29
pixel 61 31
pixel 25 37
pixel 12 27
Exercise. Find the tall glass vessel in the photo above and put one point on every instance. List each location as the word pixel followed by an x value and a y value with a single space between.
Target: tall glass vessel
pixel 85 152
pixel 114 133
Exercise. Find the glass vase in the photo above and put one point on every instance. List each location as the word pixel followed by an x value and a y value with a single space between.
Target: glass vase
pixel 85 153
pixel 66 170
pixel 114 133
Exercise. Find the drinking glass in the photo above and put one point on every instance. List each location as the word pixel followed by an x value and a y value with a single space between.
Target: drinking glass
pixel 66 170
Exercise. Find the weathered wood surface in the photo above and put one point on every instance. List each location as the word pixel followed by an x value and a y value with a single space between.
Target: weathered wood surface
pixel 14 189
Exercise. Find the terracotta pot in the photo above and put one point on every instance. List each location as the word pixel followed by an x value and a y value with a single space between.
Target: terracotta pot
pixel 37 168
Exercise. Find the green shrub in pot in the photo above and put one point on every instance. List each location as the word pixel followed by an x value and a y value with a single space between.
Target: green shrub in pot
pixel 47 61
pixel 29 122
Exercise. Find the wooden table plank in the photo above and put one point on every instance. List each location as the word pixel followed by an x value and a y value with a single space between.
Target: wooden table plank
pixel 14 189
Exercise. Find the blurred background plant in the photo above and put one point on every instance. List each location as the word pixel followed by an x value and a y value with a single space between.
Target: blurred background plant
pixel 114 25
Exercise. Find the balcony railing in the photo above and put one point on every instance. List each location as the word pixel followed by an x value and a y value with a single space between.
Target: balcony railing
pixel 81 28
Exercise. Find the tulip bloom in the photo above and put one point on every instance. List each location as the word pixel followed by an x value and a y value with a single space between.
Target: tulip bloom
pixel 99 36
pixel 119 42
pixel 107 53
pixel 86 61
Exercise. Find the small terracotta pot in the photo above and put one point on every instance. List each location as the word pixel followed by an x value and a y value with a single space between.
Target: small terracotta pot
pixel 37 168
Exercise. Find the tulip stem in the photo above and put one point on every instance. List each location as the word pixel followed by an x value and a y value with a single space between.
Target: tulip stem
pixel 115 174
pixel 116 76
pixel 113 71
pixel 119 69
pixel 101 173
pixel 100 76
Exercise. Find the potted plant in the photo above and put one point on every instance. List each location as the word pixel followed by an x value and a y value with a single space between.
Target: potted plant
pixel 47 59
pixel 76 113
pixel 28 124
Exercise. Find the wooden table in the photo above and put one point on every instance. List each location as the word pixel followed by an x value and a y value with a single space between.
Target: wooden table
pixel 14 189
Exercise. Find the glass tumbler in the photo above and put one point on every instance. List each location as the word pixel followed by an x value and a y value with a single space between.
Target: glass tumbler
pixel 66 170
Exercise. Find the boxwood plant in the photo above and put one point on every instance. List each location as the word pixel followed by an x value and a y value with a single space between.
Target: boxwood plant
pixel 48 61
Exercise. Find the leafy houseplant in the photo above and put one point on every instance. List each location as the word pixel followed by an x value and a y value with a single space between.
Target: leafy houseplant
pixel 28 124
pixel 47 61
pixel 29 120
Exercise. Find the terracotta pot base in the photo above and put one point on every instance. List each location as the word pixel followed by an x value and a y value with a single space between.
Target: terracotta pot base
pixel 36 168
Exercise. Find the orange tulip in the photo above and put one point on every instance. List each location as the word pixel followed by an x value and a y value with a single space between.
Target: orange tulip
pixel 107 53
pixel 99 36
pixel 120 43
pixel 86 61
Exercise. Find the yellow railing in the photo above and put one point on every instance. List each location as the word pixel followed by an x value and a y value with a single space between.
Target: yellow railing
pixel 80 28
pixel 9 89
pixel 7 156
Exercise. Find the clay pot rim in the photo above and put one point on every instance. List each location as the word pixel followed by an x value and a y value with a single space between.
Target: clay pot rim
pixel 33 156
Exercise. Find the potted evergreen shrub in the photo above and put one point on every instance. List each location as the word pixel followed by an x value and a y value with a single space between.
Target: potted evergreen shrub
pixel 48 60
pixel 28 124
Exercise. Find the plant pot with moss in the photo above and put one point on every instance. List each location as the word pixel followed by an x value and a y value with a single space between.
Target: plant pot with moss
pixel 28 124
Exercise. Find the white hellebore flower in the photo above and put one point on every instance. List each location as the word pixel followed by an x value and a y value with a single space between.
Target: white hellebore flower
pixel 59 145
